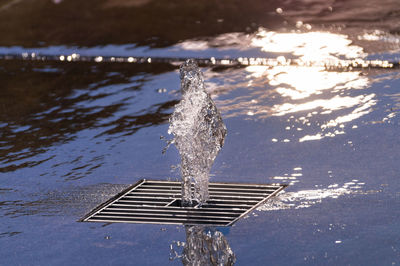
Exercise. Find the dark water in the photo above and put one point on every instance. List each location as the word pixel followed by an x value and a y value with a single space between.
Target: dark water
pixel 74 134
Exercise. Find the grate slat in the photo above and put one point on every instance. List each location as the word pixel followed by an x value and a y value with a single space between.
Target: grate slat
pixel 204 207
pixel 164 215
pixel 174 209
pixel 186 218
pixel 141 212
pixel 176 184
pixel 211 189
pixel 157 202
pixel 160 221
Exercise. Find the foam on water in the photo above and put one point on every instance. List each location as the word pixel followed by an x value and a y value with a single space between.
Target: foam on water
pixel 199 133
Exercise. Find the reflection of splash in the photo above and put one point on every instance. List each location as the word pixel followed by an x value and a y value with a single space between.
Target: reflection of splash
pixel 204 246
pixel 308 198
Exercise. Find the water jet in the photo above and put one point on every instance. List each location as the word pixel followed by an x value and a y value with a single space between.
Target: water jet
pixel 198 133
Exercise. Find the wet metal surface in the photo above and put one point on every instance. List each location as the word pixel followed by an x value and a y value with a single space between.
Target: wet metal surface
pixel 157 202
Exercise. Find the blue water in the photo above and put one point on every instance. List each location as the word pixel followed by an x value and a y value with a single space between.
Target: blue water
pixel 75 134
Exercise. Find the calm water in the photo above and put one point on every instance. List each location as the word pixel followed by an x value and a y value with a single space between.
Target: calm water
pixel 74 134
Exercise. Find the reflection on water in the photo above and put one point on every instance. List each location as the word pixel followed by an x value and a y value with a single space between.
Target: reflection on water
pixel 122 22
pixel 308 198
pixel 309 46
pixel 316 102
pixel 61 100
pixel 298 82
pixel 71 202
pixel 204 246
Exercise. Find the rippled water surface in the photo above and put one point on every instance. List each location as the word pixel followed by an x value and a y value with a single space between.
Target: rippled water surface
pixel 73 134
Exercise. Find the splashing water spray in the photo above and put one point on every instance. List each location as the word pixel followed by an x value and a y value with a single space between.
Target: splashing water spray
pixel 199 134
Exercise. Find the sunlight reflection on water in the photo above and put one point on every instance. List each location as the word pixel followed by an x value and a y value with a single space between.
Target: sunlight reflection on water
pixel 316 103
pixel 324 101
pixel 309 46
pixel 307 198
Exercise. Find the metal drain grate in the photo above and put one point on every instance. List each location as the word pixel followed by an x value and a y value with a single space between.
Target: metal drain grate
pixel 158 202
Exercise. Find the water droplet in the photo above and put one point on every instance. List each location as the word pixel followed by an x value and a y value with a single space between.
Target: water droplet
pixel 299 24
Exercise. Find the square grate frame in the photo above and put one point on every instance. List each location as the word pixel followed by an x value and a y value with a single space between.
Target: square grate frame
pixel 157 202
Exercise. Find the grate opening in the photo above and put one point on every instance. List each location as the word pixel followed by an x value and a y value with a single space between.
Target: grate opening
pixel 159 202
pixel 178 203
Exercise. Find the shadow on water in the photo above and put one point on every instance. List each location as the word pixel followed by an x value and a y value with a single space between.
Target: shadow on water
pixel 72 201
pixel 45 104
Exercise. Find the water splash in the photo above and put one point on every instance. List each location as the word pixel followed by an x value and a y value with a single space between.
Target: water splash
pixel 199 133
